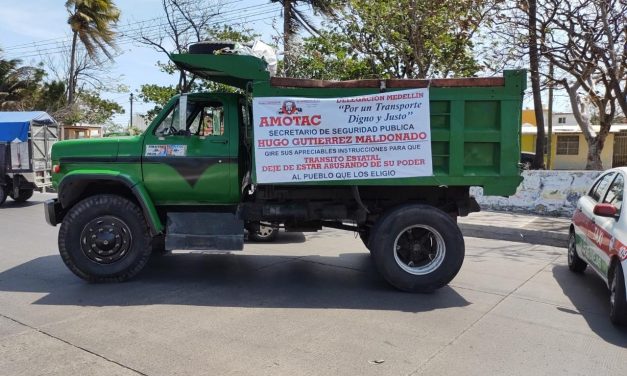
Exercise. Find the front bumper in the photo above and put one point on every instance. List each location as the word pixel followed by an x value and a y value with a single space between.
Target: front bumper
pixel 53 211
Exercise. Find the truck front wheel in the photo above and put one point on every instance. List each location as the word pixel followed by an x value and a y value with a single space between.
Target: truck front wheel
pixel 417 248
pixel 104 238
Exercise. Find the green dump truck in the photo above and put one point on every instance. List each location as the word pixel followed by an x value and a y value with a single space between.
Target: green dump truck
pixel 391 160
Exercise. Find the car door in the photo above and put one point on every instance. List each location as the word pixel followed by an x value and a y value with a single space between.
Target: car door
pixel 191 163
pixel 607 228
pixel 591 237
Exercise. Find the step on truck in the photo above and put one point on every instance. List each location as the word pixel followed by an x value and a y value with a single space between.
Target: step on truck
pixel 390 160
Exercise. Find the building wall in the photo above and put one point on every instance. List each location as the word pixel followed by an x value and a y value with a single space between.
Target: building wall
pixel 571 162
pixel 578 162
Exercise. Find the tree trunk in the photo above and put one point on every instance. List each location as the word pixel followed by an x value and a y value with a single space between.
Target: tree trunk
pixel 71 85
pixel 288 18
pixel 595 146
pixel 534 65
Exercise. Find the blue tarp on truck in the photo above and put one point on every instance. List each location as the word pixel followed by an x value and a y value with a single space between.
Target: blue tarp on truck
pixel 15 125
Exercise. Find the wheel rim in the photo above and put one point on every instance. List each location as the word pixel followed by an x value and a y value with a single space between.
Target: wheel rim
pixel 571 249
pixel 106 239
pixel 419 249
pixel 265 231
pixel 613 291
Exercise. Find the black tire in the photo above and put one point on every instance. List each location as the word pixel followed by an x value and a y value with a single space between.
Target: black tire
pixel 430 248
pixel 209 47
pixel 575 263
pixel 3 194
pixel 263 234
pixel 618 298
pixel 110 219
pixel 25 194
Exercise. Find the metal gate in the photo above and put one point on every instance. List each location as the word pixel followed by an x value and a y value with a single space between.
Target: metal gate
pixel 620 150
pixel 43 135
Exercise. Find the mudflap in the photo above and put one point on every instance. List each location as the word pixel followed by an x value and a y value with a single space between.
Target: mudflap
pixel 204 231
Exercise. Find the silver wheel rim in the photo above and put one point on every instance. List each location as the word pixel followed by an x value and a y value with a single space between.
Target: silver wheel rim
pixel 419 249
pixel 613 291
pixel 571 249
pixel 265 231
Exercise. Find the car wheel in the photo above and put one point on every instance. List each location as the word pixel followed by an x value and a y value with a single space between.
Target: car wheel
pixel 417 248
pixel 264 234
pixel 105 238
pixel 575 263
pixel 618 297
pixel 25 194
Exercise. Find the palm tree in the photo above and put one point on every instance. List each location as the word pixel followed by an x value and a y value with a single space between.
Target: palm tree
pixel 92 23
pixel 18 84
pixel 294 19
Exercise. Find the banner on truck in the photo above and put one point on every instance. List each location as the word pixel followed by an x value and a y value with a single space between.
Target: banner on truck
pixel 379 136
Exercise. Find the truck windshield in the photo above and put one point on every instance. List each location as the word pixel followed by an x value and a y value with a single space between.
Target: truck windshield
pixel 203 119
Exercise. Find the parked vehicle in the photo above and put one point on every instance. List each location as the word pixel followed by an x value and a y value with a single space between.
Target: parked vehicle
pixel 392 160
pixel 25 162
pixel 598 238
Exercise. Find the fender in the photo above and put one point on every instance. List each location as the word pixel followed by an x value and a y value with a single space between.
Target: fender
pixel 72 184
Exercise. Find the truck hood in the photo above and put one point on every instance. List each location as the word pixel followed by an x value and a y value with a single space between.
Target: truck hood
pixel 99 149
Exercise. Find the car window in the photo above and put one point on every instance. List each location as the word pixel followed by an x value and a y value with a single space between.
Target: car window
pixel 598 190
pixel 615 193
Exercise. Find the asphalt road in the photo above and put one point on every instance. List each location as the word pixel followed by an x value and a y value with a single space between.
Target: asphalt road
pixel 307 305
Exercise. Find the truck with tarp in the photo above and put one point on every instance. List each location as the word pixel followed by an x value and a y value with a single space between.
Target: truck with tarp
pixel 26 139
pixel 391 160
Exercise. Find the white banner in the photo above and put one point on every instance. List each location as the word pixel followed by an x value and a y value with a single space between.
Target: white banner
pixel 378 136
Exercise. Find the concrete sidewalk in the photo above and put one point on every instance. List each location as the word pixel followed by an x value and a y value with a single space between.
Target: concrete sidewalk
pixel 552 231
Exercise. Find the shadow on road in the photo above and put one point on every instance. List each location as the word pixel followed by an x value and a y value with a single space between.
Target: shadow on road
pixel 590 296
pixel 230 280
pixel 10 204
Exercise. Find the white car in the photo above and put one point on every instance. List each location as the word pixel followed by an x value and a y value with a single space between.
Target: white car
pixel 598 237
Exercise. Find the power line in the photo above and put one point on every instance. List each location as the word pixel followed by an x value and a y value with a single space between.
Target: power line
pixel 66 39
pixel 128 38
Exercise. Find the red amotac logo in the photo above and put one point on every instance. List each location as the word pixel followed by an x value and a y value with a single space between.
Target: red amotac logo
pixel 289 108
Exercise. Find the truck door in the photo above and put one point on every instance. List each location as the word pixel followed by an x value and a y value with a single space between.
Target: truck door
pixel 192 163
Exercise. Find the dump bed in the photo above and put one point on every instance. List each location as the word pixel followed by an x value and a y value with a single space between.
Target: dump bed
pixel 473 123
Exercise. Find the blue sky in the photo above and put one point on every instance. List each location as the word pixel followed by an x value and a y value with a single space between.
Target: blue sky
pixel 32 28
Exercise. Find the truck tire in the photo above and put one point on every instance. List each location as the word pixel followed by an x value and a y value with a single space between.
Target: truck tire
pixel 25 194
pixel 417 248
pixel 264 234
pixel 210 47
pixel 3 194
pixel 105 238
pixel 618 296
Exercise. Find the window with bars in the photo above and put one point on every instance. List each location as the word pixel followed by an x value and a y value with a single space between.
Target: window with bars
pixel 567 145
pixel 561 120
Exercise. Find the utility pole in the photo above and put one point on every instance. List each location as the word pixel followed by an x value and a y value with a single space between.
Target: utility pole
pixel 131 122
pixel 550 119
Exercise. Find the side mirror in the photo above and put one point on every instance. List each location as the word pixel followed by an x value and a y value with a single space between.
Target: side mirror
pixel 605 210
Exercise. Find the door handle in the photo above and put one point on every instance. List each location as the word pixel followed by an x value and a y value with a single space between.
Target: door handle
pixel 219 141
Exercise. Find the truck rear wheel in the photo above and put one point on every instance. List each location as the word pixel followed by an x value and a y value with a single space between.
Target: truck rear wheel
pixel 104 238
pixel 25 194
pixel 417 248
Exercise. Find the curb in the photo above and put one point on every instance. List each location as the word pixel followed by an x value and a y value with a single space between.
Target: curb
pixel 553 239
